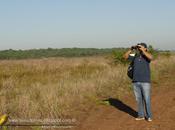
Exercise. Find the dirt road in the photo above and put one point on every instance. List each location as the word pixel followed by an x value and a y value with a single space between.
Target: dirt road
pixel 120 115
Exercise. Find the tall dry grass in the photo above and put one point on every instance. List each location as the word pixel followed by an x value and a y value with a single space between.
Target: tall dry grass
pixel 56 87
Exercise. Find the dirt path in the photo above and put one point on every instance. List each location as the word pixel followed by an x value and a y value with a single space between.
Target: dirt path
pixel 120 115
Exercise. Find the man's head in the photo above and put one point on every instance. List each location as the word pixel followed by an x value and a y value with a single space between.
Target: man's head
pixel 142 44
pixel 139 48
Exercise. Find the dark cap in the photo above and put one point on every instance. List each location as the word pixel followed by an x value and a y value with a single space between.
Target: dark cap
pixel 142 44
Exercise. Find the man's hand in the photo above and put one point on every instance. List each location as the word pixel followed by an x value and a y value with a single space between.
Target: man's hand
pixel 141 48
pixel 145 52
pixel 126 55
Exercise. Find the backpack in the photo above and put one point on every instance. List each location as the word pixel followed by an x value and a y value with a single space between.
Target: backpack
pixel 131 69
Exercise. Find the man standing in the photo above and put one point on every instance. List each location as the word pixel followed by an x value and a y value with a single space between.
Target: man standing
pixel 141 79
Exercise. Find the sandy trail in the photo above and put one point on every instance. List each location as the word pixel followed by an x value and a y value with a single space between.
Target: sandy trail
pixel 120 115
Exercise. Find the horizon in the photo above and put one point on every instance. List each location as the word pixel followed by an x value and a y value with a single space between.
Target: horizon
pixel 86 24
pixel 172 50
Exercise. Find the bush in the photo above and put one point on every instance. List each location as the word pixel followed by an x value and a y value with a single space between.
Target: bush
pixel 153 51
pixel 118 56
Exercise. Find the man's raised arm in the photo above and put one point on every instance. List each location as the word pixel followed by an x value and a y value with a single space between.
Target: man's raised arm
pixel 126 55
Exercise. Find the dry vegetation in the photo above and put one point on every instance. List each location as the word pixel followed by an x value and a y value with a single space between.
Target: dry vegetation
pixel 57 87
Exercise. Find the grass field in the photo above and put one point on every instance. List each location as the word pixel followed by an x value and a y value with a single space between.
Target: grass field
pixel 65 87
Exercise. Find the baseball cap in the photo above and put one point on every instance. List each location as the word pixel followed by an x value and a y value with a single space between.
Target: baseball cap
pixel 142 44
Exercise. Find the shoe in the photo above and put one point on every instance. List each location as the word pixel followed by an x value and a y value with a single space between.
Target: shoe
pixel 149 119
pixel 139 118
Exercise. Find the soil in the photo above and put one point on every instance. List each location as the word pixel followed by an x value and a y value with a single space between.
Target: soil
pixel 120 115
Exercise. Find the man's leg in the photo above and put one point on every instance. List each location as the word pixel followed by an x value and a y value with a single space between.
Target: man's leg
pixel 139 98
pixel 146 89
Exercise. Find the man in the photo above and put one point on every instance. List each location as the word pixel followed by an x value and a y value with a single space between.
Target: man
pixel 141 79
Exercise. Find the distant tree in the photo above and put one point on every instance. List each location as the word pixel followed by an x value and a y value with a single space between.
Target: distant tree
pixel 153 51
pixel 118 56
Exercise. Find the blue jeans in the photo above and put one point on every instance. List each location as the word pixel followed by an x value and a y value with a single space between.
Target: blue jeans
pixel 142 93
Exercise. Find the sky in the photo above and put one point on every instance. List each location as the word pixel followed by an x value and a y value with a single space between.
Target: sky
pixel 28 24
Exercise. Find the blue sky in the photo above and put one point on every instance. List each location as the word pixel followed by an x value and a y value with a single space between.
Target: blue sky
pixel 26 24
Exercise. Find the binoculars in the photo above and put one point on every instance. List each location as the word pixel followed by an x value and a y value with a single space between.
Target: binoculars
pixel 135 47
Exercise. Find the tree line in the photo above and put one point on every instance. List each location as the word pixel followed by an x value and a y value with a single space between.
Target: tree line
pixel 116 53
pixel 51 52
